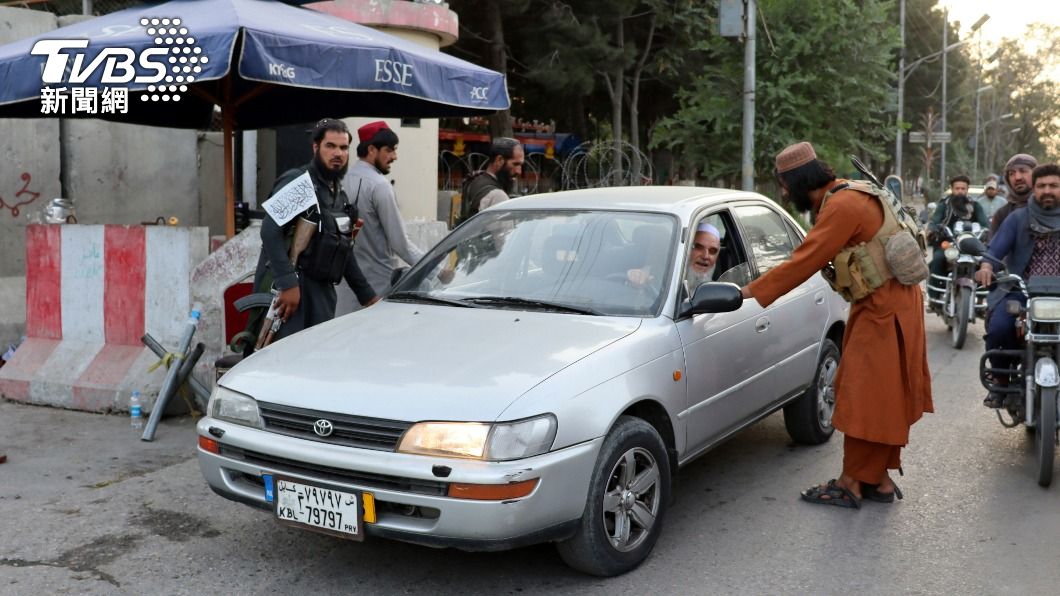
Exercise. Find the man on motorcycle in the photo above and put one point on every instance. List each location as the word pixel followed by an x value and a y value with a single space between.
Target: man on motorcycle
pixel 953 208
pixel 1029 243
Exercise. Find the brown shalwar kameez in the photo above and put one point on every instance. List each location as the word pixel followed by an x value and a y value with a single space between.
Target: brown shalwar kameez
pixel 883 385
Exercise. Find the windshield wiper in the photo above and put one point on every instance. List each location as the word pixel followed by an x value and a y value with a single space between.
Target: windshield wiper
pixel 424 297
pixel 541 304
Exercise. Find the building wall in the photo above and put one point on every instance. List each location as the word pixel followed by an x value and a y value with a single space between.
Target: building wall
pixel 29 155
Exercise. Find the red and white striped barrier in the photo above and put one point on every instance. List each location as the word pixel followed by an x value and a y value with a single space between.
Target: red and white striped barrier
pixel 91 293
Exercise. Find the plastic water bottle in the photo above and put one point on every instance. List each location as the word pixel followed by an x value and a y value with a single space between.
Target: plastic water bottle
pixel 135 413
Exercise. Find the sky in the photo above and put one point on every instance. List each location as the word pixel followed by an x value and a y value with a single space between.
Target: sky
pixel 1008 18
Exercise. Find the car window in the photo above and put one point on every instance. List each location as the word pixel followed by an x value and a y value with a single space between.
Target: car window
pixel 766 234
pixel 731 261
pixel 576 259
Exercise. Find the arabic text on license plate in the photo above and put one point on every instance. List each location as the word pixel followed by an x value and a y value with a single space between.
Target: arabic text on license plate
pixel 324 508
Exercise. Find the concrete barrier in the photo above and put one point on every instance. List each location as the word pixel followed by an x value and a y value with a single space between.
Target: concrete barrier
pixel 91 292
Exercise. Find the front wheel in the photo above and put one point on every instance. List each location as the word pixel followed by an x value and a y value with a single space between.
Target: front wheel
pixel 959 331
pixel 809 418
pixel 628 494
pixel 1045 434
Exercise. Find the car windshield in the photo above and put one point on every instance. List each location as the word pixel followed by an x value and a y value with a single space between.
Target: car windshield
pixel 589 262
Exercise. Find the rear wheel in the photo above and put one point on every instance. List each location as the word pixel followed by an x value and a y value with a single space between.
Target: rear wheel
pixel 628 494
pixel 809 418
pixel 1045 434
pixel 959 331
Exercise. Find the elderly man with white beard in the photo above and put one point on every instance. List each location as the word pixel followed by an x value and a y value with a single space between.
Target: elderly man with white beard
pixel 705 247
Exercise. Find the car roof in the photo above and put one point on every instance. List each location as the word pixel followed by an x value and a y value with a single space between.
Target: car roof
pixel 680 200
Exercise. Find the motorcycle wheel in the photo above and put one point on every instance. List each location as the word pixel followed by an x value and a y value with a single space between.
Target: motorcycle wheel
pixel 1045 434
pixel 959 331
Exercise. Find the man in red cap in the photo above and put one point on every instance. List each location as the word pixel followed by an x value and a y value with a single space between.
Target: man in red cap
pixel 383 239
pixel 883 385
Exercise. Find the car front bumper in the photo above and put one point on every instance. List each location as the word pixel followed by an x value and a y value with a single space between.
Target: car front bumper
pixel 410 497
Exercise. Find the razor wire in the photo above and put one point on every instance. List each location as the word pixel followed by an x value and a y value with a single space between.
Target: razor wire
pixel 606 163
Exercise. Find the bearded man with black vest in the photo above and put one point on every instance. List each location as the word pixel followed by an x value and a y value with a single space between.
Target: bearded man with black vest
pixel 304 300
pixel 491 186
pixel 957 206
pixel 1029 243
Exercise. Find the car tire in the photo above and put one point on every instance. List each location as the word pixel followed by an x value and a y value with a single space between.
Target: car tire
pixel 628 496
pixel 809 418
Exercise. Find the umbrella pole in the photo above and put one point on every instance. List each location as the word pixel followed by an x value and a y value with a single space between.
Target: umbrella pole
pixel 230 193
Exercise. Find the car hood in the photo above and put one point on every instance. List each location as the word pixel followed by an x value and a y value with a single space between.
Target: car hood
pixel 417 362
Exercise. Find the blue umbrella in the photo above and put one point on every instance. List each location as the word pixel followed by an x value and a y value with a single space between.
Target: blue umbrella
pixel 264 63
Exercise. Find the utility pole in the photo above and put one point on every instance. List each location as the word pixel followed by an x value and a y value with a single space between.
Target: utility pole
pixel 945 33
pixel 901 93
pixel 747 180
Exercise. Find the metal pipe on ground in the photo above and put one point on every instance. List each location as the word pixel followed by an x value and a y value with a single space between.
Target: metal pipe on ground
pixel 169 385
pixel 185 371
pixel 200 390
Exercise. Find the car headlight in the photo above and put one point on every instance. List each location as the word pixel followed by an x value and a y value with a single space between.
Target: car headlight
pixel 237 408
pixel 1045 309
pixel 479 440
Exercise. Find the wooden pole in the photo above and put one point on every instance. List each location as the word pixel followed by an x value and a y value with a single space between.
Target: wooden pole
pixel 230 192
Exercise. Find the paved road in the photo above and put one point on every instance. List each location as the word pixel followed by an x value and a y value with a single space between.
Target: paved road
pixel 87 508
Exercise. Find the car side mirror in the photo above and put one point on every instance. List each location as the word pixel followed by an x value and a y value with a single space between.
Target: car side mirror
pixel 716 297
pixel 970 245
pixel 396 274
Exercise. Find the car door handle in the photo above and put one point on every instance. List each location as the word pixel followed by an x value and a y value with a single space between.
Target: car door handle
pixel 762 324
pixel 818 298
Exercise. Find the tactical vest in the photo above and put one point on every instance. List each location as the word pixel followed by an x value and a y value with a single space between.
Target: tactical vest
pixel 896 251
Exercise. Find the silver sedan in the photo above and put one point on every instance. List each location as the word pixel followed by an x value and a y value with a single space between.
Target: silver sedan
pixel 540 375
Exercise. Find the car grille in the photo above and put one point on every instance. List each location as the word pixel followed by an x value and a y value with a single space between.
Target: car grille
pixel 365 479
pixel 351 431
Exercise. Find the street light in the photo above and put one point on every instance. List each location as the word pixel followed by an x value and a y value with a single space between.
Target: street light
pixel 975 141
pixel 904 72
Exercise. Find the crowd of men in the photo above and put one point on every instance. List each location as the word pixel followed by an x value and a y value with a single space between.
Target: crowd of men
pixel 360 235
pixel 1023 233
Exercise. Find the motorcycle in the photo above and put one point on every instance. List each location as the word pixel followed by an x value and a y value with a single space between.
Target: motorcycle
pixel 1034 377
pixel 959 300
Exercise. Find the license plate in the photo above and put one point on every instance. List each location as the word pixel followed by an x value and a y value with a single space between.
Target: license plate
pixel 319 508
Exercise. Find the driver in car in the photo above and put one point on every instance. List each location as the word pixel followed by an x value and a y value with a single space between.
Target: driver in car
pixel 1029 242
pixel 705 247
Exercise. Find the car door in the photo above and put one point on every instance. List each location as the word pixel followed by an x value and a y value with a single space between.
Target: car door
pixel 795 322
pixel 722 368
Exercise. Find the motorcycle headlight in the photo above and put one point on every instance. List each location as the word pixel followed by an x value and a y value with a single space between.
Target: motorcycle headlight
pixel 479 440
pixel 952 253
pixel 1045 309
pixel 237 408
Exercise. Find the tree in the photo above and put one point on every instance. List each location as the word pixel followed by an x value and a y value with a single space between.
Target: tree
pixel 1023 87
pixel 818 78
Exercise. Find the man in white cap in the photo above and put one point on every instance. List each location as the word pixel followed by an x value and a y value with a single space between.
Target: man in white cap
pixel 705 247
pixel 990 200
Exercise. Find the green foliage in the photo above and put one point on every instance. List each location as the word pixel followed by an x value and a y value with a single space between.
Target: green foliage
pixel 824 74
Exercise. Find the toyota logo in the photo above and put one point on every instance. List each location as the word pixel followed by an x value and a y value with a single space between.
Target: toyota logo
pixel 323 427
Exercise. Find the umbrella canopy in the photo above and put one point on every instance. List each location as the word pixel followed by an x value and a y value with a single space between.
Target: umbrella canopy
pixel 264 63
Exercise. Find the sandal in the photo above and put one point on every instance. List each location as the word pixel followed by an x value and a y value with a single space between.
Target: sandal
pixel 872 493
pixel 831 494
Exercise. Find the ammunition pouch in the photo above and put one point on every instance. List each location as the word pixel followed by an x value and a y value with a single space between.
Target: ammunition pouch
pixel 325 258
pixel 896 251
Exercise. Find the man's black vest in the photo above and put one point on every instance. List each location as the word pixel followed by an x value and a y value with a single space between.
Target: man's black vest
pixel 477 186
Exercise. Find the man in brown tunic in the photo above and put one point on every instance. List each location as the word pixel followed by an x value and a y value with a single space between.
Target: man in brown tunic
pixel 883 385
